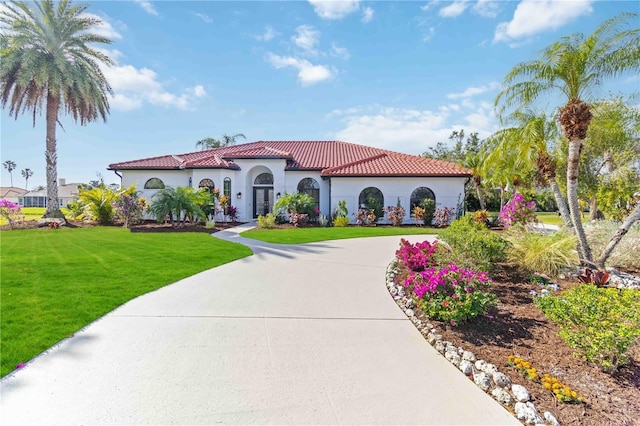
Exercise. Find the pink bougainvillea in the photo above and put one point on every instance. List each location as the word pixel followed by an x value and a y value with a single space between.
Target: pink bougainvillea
pixel 517 211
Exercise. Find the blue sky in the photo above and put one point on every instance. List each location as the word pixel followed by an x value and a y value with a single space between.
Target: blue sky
pixel 395 75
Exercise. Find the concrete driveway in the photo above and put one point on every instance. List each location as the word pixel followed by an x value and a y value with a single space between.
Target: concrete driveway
pixel 304 334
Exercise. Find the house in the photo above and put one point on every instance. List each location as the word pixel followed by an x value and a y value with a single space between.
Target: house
pixel 67 192
pixel 255 174
pixel 12 193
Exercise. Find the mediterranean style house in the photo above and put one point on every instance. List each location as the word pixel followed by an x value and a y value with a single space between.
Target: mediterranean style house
pixel 254 175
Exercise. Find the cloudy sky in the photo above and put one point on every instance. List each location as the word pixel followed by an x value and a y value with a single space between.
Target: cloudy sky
pixel 395 75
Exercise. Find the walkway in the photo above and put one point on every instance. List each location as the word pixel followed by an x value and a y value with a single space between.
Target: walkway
pixel 301 334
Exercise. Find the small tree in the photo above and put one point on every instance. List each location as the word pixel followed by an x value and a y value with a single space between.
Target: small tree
pixel 129 206
pixel 10 211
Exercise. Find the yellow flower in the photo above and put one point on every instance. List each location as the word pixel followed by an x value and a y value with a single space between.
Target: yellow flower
pixel 547 386
pixel 574 394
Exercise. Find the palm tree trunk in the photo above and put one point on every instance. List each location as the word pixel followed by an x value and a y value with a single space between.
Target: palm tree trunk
pixel 613 242
pixel 593 209
pixel 572 197
pixel 480 197
pixel 561 202
pixel 51 156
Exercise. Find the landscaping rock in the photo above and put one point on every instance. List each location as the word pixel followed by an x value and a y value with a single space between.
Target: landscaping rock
pixel 409 312
pixel 490 369
pixel 551 419
pixel 453 358
pixel 469 356
pixel 521 393
pixel 433 338
pixel 466 367
pixel 527 412
pixel 502 396
pixel 481 364
pixel 501 380
pixel 393 290
pixel 410 303
pixel 45 221
pixel 439 346
pixel 482 380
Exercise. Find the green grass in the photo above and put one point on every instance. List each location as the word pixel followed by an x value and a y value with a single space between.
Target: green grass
pixel 553 218
pixel 311 235
pixel 54 282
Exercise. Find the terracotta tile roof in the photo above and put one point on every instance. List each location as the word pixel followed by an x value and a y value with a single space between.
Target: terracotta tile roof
pixel 333 158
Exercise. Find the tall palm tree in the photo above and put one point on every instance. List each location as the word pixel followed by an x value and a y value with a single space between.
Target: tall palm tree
pixel 529 143
pixel 10 166
pixel 208 143
pixel 47 59
pixel 574 66
pixel 231 140
pixel 26 174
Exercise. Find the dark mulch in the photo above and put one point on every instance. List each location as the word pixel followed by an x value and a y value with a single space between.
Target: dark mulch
pixel 519 328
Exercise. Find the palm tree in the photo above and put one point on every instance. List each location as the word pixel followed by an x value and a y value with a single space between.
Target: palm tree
pixel 574 66
pixel 231 140
pixel 529 143
pixel 208 143
pixel 26 174
pixel 10 166
pixel 177 204
pixel 47 60
pixel 473 162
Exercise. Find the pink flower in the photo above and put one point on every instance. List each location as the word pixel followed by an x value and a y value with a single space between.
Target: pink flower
pixel 21 365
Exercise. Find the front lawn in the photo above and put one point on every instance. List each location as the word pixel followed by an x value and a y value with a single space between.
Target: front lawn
pixel 56 281
pixel 312 235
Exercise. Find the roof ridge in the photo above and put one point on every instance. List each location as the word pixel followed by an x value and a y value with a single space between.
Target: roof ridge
pixel 356 162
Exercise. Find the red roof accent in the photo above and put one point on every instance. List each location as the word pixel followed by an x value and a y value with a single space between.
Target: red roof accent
pixel 332 158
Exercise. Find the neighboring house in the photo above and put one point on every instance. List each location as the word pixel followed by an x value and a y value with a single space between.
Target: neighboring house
pixel 67 192
pixel 12 193
pixel 255 174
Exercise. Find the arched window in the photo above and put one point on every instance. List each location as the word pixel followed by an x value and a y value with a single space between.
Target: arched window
pixel 207 183
pixel 419 195
pixel 371 198
pixel 311 187
pixel 154 183
pixel 264 179
pixel 227 187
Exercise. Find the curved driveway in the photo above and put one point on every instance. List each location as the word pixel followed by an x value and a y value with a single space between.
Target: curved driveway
pixel 303 334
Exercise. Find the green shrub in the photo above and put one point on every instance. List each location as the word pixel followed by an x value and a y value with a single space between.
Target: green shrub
pixel 76 210
pixel 99 203
pixel 296 203
pixel 543 253
pixel 601 324
pixel 625 255
pixel 429 207
pixel 472 245
pixel 340 222
pixel 267 222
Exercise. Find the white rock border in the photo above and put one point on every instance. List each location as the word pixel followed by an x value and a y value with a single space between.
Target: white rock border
pixel 486 376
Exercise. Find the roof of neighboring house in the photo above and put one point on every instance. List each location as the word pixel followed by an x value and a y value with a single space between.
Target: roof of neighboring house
pixel 332 158
pixel 11 191
pixel 64 191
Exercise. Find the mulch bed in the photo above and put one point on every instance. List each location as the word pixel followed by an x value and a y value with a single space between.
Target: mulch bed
pixel 519 328
pixel 147 226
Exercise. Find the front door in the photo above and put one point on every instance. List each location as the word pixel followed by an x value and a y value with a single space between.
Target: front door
pixel 262 201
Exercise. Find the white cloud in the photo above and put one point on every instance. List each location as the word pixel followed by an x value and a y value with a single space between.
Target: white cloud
pixel 308 74
pixel 340 52
pixel 454 9
pixel 148 7
pixel 306 38
pixel 473 91
pixel 206 18
pixel 535 16
pixel 367 15
pixel 429 5
pixel 426 37
pixel 104 28
pixel 269 34
pixel 132 87
pixel 486 8
pixel 334 9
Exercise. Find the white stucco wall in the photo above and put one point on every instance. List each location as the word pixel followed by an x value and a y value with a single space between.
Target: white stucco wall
pixel 448 191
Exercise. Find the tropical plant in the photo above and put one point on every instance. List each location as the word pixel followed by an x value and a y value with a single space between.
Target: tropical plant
pixel 26 174
pixel 76 209
pixel 99 203
pixel 429 207
pixel 129 206
pixel 267 222
pixel 177 204
pixel 418 256
pixel 418 215
pixel 517 212
pixel 395 214
pixel 9 211
pixel 49 57
pixel 340 221
pixel 295 203
pixel 472 245
pixel 573 66
pixel 443 216
pixel 542 253
pixel 10 166
pixel 341 211
pixel 210 143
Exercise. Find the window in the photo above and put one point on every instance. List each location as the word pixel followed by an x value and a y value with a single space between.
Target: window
pixel 264 179
pixel 227 187
pixel 419 195
pixel 371 198
pixel 207 183
pixel 310 187
pixel 154 183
